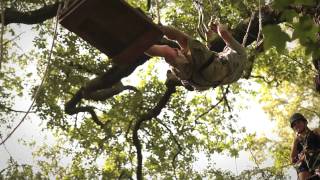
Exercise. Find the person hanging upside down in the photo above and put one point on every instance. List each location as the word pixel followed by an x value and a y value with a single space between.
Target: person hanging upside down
pixel 197 66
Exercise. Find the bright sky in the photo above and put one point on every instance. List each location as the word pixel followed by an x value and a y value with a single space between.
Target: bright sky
pixel 254 119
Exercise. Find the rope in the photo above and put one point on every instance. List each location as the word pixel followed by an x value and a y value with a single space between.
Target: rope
pixel 42 81
pixel 158 11
pixel 2 32
pixel 260 23
pixel 201 27
pixel 6 149
pixel 236 164
pixel 244 41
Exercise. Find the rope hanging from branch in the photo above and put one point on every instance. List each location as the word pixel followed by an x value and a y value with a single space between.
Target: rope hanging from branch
pixel 201 26
pixel 2 32
pixel 42 81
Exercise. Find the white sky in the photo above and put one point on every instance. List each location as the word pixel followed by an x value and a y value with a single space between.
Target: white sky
pixel 254 119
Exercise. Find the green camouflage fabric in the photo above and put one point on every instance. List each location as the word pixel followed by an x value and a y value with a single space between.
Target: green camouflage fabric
pixel 227 66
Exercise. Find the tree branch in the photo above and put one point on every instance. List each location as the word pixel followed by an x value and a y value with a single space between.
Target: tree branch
pixel 171 88
pixel 210 109
pixel 6 109
pixel 104 94
pixel 177 143
pixel 12 15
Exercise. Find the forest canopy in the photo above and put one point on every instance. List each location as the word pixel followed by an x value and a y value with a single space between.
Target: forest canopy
pixel 137 122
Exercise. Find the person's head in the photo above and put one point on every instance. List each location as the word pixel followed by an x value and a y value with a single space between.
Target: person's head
pixel 298 122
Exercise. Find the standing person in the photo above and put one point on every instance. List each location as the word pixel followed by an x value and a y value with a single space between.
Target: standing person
pixel 197 66
pixel 305 148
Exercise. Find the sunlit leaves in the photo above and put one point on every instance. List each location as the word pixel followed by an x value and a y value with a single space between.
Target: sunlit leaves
pixel 171 141
pixel 283 4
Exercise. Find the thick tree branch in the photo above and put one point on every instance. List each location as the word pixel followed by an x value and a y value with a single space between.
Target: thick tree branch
pixel 12 15
pixel 171 88
pixel 104 94
pixel 100 88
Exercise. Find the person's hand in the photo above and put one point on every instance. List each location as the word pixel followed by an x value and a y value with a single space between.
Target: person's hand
pixel 213 26
pixel 298 159
pixel 298 138
pixel 294 160
pixel 301 156
pixel 222 28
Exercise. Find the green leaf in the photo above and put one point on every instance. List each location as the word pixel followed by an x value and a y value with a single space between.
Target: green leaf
pixel 275 37
pixel 305 30
pixel 281 4
pixel 288 15
pixel 305 2
pixel 29 74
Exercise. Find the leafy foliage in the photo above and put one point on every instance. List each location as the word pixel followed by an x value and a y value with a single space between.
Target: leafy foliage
pixel 190 123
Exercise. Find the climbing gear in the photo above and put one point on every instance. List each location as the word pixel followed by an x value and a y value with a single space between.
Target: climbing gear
pixel 309 151
pixel 296 117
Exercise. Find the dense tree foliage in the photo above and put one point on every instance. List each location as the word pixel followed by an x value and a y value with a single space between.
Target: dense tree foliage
pixel 145 126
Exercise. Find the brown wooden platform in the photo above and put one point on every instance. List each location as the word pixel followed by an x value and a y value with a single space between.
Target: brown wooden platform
pixel 112 26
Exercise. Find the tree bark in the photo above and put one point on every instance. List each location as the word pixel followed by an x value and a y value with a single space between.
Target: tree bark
pixel 11 15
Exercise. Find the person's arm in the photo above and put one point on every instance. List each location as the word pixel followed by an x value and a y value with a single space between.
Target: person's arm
pixel 175 34
pixel 294 151
pixel 317 131
pixel 211 34
pixel 229 40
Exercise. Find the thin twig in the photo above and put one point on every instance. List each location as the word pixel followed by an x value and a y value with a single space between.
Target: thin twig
pixel 263 78
pixel 210 109
pixel 5 148
pixel 14 38
pixel 226 99
pixel 177 143
pixel 300 63
pixel 16 111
